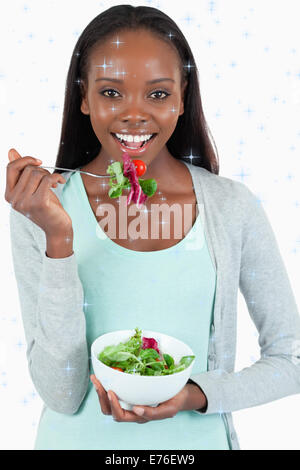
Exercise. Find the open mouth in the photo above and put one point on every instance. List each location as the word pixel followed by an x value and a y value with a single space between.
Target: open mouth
pixel 134 145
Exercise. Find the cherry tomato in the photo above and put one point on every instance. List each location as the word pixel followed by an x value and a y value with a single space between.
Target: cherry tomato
pixel 140 166
pixel 157 360
pixel 118 368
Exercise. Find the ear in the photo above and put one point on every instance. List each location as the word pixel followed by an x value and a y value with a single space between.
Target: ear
pixel 84 102
pixel 183 88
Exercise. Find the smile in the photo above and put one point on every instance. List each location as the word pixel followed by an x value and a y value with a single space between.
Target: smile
pixel 134 147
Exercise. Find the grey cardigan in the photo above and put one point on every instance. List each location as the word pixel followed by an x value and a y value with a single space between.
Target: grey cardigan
pixel 246 256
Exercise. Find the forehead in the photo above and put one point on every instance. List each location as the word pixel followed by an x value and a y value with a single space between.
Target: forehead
pixel 137 53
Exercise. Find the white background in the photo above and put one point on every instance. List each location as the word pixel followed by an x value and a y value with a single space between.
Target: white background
pixel 248 55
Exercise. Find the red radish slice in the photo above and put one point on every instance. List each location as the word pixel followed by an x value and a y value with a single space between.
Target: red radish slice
pixel 136 194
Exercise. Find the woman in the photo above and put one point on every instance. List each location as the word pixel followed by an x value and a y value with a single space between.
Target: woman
pixel 133 73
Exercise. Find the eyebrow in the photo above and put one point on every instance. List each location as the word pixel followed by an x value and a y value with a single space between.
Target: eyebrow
pixel 149 82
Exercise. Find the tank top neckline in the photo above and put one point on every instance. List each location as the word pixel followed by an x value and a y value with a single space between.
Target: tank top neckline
pixel 113 246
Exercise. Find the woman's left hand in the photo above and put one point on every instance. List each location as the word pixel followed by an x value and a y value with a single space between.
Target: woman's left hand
pixel 166 409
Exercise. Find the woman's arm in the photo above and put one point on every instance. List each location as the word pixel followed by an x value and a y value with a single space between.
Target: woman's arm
pixel 266 288
pixel 51 300
pixel 196 399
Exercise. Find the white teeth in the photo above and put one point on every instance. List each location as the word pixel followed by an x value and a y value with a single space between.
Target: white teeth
pixel 135 138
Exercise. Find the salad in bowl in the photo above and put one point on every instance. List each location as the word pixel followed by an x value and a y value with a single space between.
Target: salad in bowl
pixel 142 367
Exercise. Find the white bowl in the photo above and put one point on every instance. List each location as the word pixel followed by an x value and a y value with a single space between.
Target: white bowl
pixel 149 390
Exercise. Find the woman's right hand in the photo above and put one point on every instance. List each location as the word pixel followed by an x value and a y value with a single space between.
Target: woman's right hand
pixel 28 191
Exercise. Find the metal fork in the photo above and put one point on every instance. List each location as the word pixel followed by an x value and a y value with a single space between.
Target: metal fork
pixel 79 171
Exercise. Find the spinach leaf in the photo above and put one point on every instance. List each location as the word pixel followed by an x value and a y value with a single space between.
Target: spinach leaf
pixel 186 360
pixel 169 360
pixel 155 365
pixel 148 354
pixel 149 186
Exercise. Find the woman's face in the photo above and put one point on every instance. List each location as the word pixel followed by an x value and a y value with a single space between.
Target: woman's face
pixel 120 98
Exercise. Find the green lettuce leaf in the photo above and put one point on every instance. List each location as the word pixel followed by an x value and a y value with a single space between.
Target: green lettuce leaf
pixel 149 186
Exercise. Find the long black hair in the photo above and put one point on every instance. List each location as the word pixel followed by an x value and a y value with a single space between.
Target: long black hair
pixel 79 144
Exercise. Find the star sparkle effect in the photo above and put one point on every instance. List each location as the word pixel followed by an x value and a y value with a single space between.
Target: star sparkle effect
pixel 53 107
pixel 173 109
pixel 242 174
pixel 86 305
pixel 117 42
pixel 191 157
pixel 188 66
pixel 68 368
pixel 188 19
pixel 122 73
pixel 24 401
pixel 20 345
pixel 104 66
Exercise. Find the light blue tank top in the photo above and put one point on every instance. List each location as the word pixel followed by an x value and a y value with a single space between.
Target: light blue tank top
pixel 170 291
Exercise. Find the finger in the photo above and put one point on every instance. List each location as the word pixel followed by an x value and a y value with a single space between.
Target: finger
pixel 102 395
pixel 42 190
pixel 28 181
pixel 13 155
pixel 34 183
pixel 119 414
pixel 15 168
pixel 162 411
pixel 15 193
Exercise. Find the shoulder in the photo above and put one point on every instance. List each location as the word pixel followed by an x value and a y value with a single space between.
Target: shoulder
pixel 231 203
pixel 223 190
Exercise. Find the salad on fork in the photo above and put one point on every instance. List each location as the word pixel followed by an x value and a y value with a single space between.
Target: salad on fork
pixel 126 175
pixel 123 176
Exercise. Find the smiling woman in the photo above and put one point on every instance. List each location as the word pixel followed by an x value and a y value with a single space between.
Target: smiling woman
pixel 132 86
pixel 133 76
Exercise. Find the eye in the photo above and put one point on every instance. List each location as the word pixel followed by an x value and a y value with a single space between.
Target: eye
pixel 110 89
pixel 161 91
pixel 114 91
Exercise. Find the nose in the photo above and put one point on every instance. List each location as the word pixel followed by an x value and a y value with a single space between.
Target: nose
pixel 134 113
pixel 134 118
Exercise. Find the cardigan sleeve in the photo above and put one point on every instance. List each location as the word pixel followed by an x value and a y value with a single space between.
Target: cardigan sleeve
pixel 266 288
pixel 51 301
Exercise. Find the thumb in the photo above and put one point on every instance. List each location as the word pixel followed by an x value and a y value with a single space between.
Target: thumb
pixel 13 155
